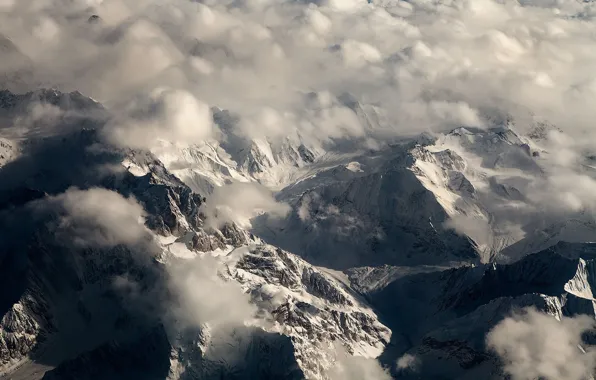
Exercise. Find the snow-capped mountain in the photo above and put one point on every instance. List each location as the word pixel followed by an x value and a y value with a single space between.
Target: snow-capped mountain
pixel 434 200
pixel 205 166
pixel 446 323
pixel 290 189
pixel 375 255
pixel 64 310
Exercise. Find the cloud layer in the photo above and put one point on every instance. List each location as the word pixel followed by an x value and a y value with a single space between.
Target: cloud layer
pixel 285 66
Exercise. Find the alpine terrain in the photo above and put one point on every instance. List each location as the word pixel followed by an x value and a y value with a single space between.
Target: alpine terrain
pixel 325 190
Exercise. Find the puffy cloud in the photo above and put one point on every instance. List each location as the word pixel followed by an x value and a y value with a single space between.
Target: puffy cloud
pixel 477 228
pixel 536 345
pixel 406 361
pixel 38 116
pixel 193 292
pixel 429 65
pixel 202 297
pixel 96 217
pixel 567 185
pixel 164 114
pixel 348 367
pixel 239 202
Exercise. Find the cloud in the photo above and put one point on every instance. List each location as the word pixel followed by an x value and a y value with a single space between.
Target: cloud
pixel 238 202
pixel 477 228
pixel 536 345
pixel 203 297
pixel 96 217
pixel 474 227
pixel 407 361
pixel 192 293
pixel 348 367
pixel 37 116
pixel 164 114
pixel 428 65
pixel 568 185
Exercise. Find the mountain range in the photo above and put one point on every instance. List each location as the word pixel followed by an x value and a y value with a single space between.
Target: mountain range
pixel 116 264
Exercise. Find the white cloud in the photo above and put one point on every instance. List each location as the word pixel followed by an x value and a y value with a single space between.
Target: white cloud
pixel 202 297
pixel 239 202
pixel 304 208
pixel 429 65
pixel 195 295
pixel 348 367
pixel 164 114
pixel 567 187
pixel 476 228
pixel 536 345
pixel 96 217
pixel 39 116
pixel 6 4
pixel 407 361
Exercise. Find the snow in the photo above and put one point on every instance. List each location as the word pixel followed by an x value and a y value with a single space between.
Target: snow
pixel 581 284
pixel 181 251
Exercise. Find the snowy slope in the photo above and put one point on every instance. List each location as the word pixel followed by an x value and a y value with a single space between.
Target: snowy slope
pixel 368 210
pixel 273 163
